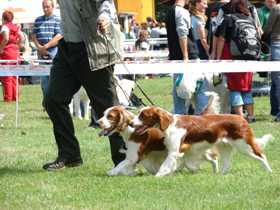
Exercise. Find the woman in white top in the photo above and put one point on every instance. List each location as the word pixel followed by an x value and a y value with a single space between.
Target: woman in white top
pixel 198 19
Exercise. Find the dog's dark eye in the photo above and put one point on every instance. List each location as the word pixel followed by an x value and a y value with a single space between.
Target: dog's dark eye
pixel 141 116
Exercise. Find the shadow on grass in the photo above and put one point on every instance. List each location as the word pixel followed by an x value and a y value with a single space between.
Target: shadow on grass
pixel 18 171
pixel 262 118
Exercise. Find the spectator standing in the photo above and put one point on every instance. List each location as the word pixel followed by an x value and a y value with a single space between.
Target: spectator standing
pixel 162 34
pixel 149 24
pixel 155 33
pixel 142 43
pixel 239 84
pixel 264 11
pixel 131 33
pixel 272 29
pixel 212 24
pixel 45 35
pixel 25 49
pixel 25 54
pixel 178 25
pixel 198 18
pixel 133 29
pixel 263 14
pixel 226 9
pixel 162 30
pixel 85 58
pixel 10 39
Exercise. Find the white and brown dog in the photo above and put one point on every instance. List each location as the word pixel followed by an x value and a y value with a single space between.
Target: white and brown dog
pixel 200 133
pixel 148 147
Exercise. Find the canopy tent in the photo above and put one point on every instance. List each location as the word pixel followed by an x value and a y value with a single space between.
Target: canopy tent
pixel 25 11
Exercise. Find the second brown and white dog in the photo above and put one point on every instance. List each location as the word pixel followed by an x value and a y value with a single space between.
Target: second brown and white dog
pixel 200 133
pixel 148 148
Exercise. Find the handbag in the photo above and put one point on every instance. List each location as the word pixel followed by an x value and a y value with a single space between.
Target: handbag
pixel 185 85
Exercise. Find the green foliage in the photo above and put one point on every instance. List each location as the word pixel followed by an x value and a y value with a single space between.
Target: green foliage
pixel 24 185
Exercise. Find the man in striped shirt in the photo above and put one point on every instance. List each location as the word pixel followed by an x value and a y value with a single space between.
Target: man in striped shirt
pixel 46 34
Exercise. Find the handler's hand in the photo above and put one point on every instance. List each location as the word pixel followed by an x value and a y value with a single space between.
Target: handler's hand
pixel 103 25
pixel 43 51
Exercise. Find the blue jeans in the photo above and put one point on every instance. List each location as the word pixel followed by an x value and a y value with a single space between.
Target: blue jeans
pixel 238 98
pixel 275 82
pixel 44 84
pixel 181 106
pixel 45 79
pixel 201 99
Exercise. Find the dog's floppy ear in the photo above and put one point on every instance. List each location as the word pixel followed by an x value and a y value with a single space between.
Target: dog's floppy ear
pixel 164 120
pixel 122 123
pixel 118 119
pixel 126 119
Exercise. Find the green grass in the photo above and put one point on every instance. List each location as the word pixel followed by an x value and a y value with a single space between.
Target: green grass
pixel 24 185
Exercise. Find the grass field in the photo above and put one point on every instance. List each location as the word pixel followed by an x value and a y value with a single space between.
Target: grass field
pixel 24 185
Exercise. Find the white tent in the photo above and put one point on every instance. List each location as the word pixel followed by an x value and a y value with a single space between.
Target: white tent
pixel 25 11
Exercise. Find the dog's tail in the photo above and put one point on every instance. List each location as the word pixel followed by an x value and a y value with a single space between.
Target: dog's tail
pixel 213 106
pixel 264 140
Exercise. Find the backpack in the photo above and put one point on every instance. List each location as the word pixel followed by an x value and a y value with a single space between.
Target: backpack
pixel 246 42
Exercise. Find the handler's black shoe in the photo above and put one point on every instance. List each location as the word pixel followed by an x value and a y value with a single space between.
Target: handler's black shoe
pixel 62 163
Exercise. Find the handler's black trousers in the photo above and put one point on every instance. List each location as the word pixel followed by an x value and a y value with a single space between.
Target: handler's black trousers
pixel 70 70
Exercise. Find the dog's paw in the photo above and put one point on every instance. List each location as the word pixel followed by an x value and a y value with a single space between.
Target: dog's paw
pixel 130 172
pixel 162 173
pixel 112 172
pixel 159 175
